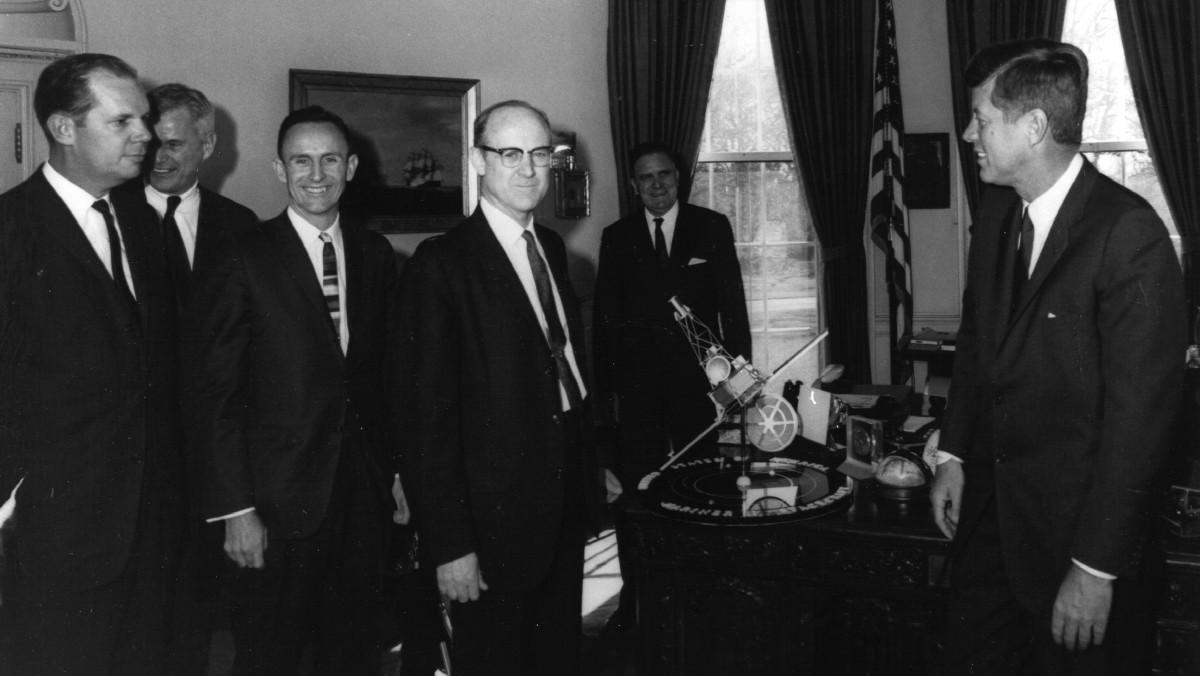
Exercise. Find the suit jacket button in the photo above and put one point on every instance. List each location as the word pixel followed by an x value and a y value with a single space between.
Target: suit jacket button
pixel 556 418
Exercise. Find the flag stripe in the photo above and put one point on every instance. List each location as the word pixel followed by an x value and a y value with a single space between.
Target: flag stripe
pixel 888 214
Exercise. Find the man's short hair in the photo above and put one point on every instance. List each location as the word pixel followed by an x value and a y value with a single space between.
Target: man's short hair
pixel 63 86
pixel 481 122
pixel 1037 73
pixel 650 148
pixel 311 114
pixel 167 97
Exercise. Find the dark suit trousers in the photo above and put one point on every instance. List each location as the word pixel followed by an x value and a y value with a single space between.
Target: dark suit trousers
pixel 989 633
pixel 323 591
pixel 537 631
pixel 121 627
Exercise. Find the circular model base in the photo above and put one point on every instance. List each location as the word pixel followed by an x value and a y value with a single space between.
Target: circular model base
pixel 706 490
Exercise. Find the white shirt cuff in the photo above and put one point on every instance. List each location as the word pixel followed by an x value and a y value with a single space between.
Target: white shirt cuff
pixel 940 457
pixel 230 516
pixel 1092 571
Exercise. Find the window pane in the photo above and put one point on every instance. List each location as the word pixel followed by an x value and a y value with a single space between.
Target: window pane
pixel 1112 113
pixel 760 199
pixel 745 113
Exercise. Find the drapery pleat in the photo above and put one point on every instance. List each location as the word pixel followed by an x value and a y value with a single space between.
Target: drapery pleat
pixel 660 68
pixel 824 58
pixel 1162 51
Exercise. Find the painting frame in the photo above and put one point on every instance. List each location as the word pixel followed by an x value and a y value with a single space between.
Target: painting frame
pixel 388 193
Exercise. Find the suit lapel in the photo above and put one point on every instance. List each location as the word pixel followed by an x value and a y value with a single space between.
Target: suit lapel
pixel 298 268
pixel 498 270
pixel 1059 238
pixel 684 241
pixel 207 222
pixel 352 246
pixel 59 222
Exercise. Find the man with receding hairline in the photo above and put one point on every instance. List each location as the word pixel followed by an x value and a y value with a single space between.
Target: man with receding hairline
pixel 496 410
pixel 286 391
pixel 88 415
pixel 1065 389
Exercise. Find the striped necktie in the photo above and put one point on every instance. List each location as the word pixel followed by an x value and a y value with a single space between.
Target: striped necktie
pixel 329 284
pixel 556 338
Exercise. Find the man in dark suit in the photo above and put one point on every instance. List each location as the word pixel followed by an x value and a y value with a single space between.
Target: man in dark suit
pixel 196 225
pixel 185 136
pixel 88 421
pixel 288 392
pixel 496 411
pixel 1066 380
pixel 646 371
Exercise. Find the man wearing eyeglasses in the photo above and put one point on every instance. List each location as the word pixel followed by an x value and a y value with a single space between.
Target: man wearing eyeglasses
pixel 504 474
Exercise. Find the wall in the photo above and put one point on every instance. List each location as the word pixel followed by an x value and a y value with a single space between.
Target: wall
pixel 549 52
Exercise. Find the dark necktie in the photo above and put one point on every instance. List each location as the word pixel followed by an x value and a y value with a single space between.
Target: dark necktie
pixel 177 258
pixel 660 245
pixel 329 284
pixel 116 262
pixel 1024 255
pixel 554 330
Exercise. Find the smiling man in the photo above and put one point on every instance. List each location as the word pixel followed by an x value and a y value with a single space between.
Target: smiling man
pixel 196 221
pixel 646 374
pixel 286 395
pixel 496 414
pixel 1066 384
pixel 88 422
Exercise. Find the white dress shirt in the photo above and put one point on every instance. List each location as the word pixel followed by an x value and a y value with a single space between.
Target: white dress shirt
pixel 187 215
pixel 510 235
pixel 668 225
pixel 310 236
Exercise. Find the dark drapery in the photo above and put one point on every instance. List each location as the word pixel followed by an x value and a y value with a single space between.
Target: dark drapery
pixel 660 67
pixel 1162 50
pixel 974 24
pixel 824 57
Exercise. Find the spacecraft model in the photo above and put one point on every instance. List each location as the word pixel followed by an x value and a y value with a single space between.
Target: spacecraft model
pixel 769 422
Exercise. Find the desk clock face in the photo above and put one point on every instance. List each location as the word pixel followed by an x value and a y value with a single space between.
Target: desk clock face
pixel 706 490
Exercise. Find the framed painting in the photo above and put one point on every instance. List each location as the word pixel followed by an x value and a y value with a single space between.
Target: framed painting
pixel 412 136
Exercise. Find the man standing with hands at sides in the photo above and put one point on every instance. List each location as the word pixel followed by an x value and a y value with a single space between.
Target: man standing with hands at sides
pixel 1065 388
pixel 195 220
pixel 288 389
pixel 88 418
pixel 646 372
pixel 495 408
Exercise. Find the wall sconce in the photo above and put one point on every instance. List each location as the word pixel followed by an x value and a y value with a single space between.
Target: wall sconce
pixel 572 190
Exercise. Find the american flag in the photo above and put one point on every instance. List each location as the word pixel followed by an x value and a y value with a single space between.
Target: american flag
pixel 888 214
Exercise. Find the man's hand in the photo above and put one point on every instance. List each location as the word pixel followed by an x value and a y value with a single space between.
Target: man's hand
pixel 401 516
pixel 461 579
pixel 1080 614
pixel 946 496
pixel 246 540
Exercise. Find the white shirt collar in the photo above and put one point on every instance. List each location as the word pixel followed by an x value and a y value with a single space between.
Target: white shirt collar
pixel 506 230
pixel 79 201
pixel 1044 208
pixel 158 199
pixel 310 233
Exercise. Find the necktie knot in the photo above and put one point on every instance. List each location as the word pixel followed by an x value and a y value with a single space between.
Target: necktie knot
pixel 172 204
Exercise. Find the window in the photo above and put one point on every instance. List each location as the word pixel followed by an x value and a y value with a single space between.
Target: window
pixel 746 170
pixel 1112 131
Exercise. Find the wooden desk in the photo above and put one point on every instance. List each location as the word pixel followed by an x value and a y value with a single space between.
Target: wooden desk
pixel 855 593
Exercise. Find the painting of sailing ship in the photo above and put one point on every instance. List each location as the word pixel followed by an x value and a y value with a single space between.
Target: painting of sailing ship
pixel 411 135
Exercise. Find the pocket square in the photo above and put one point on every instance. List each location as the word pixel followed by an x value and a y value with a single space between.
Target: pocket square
pixel 1051 315
pixel 697 261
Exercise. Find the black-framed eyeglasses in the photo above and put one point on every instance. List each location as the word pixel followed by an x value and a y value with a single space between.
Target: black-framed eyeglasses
pixel 511 157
